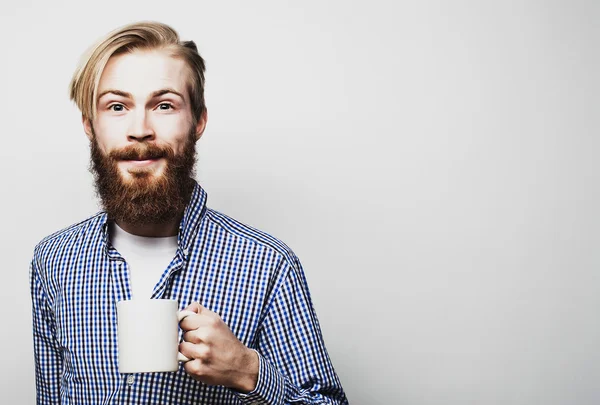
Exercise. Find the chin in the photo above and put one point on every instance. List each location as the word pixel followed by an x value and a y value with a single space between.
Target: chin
pixel 131 173
pixel 133 176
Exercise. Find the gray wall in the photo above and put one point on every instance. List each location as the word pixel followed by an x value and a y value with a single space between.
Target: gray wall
pixel 433 164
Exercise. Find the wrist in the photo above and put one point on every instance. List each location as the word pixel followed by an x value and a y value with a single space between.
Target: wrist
pixel 248 372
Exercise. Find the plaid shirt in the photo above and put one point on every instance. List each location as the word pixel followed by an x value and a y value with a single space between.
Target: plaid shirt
pixel 253 281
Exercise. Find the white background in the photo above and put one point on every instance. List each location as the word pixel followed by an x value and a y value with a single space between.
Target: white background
pixel 433 164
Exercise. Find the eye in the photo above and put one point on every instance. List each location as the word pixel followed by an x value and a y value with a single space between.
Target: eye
pixel 116 107
pixel 165 106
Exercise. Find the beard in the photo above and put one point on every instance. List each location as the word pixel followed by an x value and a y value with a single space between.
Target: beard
pixel 146 197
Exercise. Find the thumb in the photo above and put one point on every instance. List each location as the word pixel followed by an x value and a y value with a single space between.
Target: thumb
pixel 195 307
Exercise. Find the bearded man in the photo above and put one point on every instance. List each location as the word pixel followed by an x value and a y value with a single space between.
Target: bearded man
pixel 254 337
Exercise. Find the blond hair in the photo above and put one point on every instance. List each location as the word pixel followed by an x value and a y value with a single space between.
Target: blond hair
pixel 144 35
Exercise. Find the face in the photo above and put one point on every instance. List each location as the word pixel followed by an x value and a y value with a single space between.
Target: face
pixel 143 137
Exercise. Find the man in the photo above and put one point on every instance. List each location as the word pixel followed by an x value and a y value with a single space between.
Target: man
pixel 254 339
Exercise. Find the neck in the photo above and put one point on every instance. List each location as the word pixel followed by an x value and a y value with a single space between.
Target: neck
pixel 161 230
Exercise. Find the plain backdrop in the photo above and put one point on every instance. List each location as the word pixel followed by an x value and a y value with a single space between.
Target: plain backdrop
pixel 434 164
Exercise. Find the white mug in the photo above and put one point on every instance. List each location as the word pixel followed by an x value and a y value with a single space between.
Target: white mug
pixel 148 335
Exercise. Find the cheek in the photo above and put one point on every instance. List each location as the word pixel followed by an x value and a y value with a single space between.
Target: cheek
pixel 175 136
pixel 105 145
pixel 109 135
pixel 179 144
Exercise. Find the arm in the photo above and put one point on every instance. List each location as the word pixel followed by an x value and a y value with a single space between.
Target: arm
pixel 291 364
pixel 294 364
pixel 48 358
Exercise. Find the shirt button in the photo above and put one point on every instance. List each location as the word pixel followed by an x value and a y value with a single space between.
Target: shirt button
pixel 130 380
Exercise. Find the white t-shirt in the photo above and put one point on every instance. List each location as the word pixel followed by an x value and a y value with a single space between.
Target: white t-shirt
pixel 147 258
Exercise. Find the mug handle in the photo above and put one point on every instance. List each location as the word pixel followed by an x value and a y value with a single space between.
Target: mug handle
pixel 181 315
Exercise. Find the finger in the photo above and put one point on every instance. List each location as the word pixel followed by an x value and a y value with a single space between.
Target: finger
pixel 206 318
pixel 195 307
pixel 188 350
pixel 181 315
pixel 196 369
pixel 190 322
pixel 193 336
pixel 182 358
pixel 196 351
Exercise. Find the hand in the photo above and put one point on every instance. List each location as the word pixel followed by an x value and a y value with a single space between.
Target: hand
pixel 217 356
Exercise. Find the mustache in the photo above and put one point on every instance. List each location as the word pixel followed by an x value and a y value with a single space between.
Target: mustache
pixel 142 152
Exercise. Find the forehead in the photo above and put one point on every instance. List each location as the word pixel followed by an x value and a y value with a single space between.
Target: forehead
pixel 143 72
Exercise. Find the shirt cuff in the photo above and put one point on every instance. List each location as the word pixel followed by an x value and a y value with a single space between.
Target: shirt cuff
pixel 270 387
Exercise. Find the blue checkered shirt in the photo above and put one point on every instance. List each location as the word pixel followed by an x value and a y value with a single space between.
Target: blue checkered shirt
pixel 252 280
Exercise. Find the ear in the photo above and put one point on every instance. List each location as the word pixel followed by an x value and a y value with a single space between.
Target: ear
pixel 87 127
pixel 201 125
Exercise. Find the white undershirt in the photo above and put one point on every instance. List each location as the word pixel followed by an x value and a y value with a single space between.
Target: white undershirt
pixel 147 258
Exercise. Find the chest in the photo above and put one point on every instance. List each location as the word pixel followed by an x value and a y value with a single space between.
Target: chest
pixel 87 289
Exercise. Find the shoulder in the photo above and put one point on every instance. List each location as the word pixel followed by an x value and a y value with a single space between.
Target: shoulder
pixel 69 236
pixel 251 236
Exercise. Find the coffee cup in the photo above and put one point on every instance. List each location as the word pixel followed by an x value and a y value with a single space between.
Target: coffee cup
pixel 148 335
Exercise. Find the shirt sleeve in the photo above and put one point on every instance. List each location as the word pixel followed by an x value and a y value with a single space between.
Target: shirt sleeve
pixel 294 366
pixel 47 354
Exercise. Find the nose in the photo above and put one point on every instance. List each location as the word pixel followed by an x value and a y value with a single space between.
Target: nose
pixel 140 129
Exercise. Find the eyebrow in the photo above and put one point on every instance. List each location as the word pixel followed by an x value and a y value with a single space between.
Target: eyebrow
pixel 154 94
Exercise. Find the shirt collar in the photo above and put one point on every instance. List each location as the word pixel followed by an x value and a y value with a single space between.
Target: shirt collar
pixel 192 216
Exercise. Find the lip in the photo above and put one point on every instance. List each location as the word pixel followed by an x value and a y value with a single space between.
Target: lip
pixel 146 164
pixel 140 163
